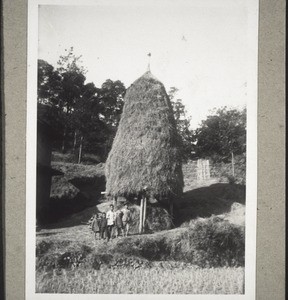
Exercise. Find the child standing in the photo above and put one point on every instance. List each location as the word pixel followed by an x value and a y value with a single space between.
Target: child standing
pixel 95 226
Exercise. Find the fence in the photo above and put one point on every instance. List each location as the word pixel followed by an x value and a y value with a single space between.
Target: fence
pixel 197 170
pixel 202 170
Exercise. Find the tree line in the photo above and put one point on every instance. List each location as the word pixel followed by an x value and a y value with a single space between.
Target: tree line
pixel 87 116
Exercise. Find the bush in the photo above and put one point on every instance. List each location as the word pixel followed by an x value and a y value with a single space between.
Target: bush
pixel 212 242
pixel 218 243
pixel 50 255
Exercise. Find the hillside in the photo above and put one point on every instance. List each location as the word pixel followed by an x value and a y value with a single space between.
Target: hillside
pixel 79 189
pixel 208 238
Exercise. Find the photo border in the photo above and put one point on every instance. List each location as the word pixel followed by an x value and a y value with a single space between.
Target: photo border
pixel 14 142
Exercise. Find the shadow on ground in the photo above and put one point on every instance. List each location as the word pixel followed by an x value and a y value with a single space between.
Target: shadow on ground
pixel 43 234
pixel 203 202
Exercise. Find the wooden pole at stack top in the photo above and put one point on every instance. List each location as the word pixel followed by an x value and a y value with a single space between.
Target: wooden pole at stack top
pixel 149 60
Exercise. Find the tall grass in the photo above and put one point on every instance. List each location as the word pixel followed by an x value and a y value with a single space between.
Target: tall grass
pixel 211 242
pixel 155 280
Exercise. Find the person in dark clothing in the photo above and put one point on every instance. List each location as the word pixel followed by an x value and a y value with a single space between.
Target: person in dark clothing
pixel 95 226
pixel 119 223
pixel 126 219
pixel 103 227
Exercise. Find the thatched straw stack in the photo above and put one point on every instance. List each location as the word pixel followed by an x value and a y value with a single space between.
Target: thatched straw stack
pixel 146 149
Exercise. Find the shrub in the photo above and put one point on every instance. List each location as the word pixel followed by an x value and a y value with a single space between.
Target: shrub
pixel 51 256
pixel 70 259
pixel 210 242
pixel 218 243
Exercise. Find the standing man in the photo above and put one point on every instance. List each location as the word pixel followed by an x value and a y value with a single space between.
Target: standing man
pixel 126 219
pixel 110 216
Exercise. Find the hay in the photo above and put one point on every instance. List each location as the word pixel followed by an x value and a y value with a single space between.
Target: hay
pixel 146 150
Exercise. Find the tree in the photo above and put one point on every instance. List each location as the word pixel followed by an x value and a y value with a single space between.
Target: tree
pixel 182 124
pixel 49 83
pixel 85 116
pixel 111 98
pixel 97 114
pixel 222 135
pixel 49 87
pixel 89 115
pixel 69 61
pixel 72 86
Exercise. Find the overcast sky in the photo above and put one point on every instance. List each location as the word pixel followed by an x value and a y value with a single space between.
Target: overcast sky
pixel 198 46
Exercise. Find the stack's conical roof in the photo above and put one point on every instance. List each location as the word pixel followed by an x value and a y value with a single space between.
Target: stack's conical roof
pixel 146 149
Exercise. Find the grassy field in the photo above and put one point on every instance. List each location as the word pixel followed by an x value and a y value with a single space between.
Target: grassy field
pixel 204 254
pixel 155 280
pixel 70 260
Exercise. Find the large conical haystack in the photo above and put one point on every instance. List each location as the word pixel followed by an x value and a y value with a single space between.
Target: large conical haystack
pixel 146 149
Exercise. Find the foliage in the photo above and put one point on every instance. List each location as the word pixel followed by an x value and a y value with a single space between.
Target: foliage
pixel 49 83
pixel 219 243
pixel 110 104
pixel 69 61
pixel 221 134
pixel 210 243
pixel 88 116
pixel 183 124
pixel 111 98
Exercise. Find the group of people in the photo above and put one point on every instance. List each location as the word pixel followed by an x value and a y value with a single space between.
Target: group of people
pixel 111 224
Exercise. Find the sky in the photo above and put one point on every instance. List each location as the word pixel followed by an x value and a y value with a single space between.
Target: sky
pixel 200 47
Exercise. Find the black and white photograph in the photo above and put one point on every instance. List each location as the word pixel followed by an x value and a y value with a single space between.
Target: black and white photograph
pixel 141 148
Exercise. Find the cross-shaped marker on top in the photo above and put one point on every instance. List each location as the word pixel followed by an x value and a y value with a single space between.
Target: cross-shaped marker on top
pixel 149 55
